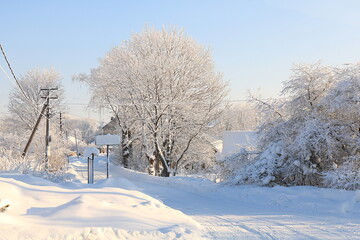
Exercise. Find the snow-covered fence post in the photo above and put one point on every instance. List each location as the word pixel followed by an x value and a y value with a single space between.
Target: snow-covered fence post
pixel 91 169
pixel 90 153
pixel 107 161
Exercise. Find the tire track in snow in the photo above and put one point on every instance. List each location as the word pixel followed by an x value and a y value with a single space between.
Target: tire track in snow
pixel 225 216
pixel 226 228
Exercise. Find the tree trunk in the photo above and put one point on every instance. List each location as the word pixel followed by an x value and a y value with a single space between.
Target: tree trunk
pixel 157 166
pixel 126 148
pixel 125 155
pixel 157 161
pixel 165 173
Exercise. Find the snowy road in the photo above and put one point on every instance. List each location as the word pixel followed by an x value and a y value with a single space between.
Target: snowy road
pixel 132 205
pixel 250 212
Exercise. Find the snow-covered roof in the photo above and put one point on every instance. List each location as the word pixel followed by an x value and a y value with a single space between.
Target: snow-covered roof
pixel 234 140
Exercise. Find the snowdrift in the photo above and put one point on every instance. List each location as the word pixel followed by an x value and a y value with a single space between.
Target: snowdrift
pixel 43 210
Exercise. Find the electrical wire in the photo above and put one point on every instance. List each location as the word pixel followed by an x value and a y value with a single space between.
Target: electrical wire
pixel 13 74
pixel 6 74
pixel 12 83
pixel 19 85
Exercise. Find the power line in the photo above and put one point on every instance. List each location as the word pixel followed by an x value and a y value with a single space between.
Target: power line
pixel 30 102
pixel 7 76
pixel 12 72
pixel 18 83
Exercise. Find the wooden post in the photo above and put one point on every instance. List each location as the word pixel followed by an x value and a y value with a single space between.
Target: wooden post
pixel 47 98
pixel 91 169
pixel 76 143
pixel 107 162
pixel 34 130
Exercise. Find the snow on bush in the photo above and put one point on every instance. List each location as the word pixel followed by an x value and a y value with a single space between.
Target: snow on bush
pixel 347 176
pixel 312 136
pixel 11 148
pixel 233 165
pixel 251 167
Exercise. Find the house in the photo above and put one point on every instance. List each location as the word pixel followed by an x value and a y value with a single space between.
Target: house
pixel 110 128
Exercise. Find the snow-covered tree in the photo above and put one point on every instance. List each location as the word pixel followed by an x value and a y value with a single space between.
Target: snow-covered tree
pixel 25 106
pixel 86 128
pixel 239 116
pixel 166 90
pixel 313 130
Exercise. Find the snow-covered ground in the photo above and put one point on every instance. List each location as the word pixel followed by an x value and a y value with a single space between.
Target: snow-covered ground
pixel 133 205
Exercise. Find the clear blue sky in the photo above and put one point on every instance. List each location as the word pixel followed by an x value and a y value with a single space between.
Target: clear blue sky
pixel 254 43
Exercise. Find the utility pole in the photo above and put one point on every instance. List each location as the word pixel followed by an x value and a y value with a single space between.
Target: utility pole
pixel 34 130
pixel 61 125
pixel 76 143
pixel 47 97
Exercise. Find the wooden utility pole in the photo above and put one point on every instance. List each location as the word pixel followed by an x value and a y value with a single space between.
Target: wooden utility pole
pixel 61 125
pixel 34 130
pixel 76 143
pixel 47 97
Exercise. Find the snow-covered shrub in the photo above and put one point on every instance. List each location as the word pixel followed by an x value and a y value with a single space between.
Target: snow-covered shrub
pixel 314 128
pixel 58 158
pixel 231 167
pixel 11 159
pixel 12 144
pixel 347 176
pixel 10 152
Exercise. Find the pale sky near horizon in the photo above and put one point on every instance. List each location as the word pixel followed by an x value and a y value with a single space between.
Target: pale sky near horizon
pixel 254 43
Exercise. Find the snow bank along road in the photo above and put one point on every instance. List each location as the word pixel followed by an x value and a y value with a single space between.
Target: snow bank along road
pixel 133 205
